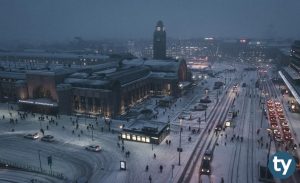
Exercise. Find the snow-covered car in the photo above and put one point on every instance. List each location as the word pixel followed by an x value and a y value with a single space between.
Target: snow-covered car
pixel 33 136
pixel 47 138
pixel 94 148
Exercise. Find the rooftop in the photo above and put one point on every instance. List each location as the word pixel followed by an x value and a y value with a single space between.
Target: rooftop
pixel 146 127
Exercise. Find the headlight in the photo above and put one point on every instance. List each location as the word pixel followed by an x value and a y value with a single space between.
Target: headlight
pixel 202 170
pixel 207 170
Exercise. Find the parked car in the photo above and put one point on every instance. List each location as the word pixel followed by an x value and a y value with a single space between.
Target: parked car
pixel 33 136
pixel 48 138
pixel 94 148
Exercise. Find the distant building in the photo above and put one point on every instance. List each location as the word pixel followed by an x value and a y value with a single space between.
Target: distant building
pixel 291 76
pixel 108 88
pixel 159 42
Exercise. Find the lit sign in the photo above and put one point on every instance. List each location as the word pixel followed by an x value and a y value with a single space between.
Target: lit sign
pixel 227 124
pixel 122 165
pixel 37 103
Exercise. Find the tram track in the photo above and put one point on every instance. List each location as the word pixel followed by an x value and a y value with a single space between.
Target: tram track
pixel 204 137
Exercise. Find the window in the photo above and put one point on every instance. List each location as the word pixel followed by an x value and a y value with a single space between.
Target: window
pixel 148 139
pixel 138 138
pixel 123 136
pixel 143 139
pixel 128 136
pixel 133 137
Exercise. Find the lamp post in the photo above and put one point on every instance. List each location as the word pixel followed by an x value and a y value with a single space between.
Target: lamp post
pixel 39 151
pixel 179 149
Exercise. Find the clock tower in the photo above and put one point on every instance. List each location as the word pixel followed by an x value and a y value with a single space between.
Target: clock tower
pixel 159 42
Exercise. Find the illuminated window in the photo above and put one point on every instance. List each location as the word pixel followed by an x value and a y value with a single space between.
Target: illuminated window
pixel 138 138
pixel 133 137
pixel 148 139
pixel 143 139
pixel 123 136
pixel 128 136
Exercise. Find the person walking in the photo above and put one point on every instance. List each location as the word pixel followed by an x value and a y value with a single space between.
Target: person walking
pixel 160 168
pixel 147 168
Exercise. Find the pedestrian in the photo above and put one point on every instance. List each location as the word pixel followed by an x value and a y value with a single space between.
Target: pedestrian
pixel 169 142
pixel 147 168
pixel 47 127
pixel 154 156
pixel 222 180
pixel 160 168
pixel 123 148
pixel 150 179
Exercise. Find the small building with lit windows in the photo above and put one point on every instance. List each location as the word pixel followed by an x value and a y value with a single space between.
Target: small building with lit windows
pixel 146 132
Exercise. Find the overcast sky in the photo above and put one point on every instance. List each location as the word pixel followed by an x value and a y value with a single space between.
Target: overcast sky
pixel 59 20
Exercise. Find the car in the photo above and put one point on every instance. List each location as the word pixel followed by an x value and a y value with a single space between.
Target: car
pixel 94 148
pixel 208 155
pixel 281 117
pixel 286 130
pixel 276 131
pixel 33 136
pixel 288 136
pixel 218 127
pixel 47 138
pixel 205 167
pixel 284 124
pixel 278 138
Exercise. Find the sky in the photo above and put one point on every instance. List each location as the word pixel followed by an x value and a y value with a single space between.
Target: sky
pixel 59 20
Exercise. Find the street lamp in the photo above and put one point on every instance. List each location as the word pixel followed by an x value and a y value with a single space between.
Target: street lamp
pixel 39 151
pixel 179 149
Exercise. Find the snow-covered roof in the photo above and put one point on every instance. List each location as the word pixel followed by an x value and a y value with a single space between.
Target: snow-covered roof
pixel 291 88
pixel 156 65
pixel 12 75
pixel 139 126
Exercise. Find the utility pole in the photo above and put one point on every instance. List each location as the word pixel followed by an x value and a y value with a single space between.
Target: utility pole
pixel 39 151
pixel 179 149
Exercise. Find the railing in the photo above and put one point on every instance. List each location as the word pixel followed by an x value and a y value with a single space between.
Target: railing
pixel 29 168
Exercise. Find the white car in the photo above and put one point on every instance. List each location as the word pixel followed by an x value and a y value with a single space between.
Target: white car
pixel 95 148
pixel 33 136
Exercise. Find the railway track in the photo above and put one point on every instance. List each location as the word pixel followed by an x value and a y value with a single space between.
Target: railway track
pixel 205 138
pixel 237 150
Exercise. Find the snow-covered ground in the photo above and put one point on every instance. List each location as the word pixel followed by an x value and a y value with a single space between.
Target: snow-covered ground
pixel 74 162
